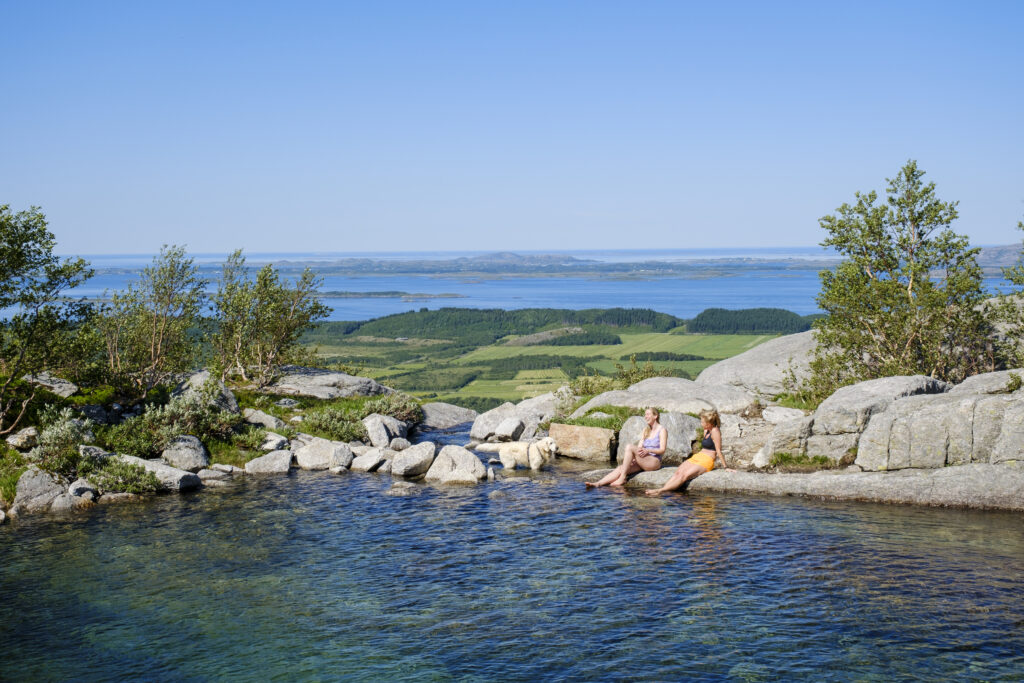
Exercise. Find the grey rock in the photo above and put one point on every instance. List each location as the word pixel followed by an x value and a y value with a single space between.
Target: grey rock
pixel 338 470
pixel 273 442
pixel 83 488
pixel 227 469
pixel 673 394
pixel 286 403
pixel 832 446
pixel 24 439
pixel 96 413
pixel 296 419
pixel 275 462
pixel 583 443
pixel 541 407
pixel 385 467
pixel 456 465
pixel 1010 445
pixel 66 502
pixel 120 497
pixel 381 429
pixel 485 423
pixel 223 399
pixel 530 412
pixel 598 415
pixel 186 453
pixel 94 452
pixel 322 454
pixel 3 517
pixel 399 444
pixel 987 383
pixel 975 485
pixel 681 430
pixel 325 384
pixel 170 478
pixel 764 369
pixel 743 439
pixel 414 461
pixel 36 490
pixel 369 462
pixel 509 429
pixel 207 476
pixel 439 415
pixel 301 439
pixel 258 417
pixel 360 450
pixel 789 436
pixel 778 414
pixel 52 383
pixel 848 410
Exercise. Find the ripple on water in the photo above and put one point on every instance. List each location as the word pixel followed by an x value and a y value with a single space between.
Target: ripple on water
pixel 316 576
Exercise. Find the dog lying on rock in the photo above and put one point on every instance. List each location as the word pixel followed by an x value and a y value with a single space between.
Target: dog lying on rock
pixel 534 454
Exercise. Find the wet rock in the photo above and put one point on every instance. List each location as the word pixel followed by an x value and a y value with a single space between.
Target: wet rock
pixel 83 488
pixel 414 461
pixel 207 476
pixel 36 491
pixel 186 453
pixel 275 462
pixel 65 502
pixel 401 488
pixel 456 465
pixel 170 478
pixel 120 498
pixel 258 417
pixel 439 415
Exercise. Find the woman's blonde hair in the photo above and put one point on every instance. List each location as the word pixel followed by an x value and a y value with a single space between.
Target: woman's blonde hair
pixel 647 427
pixel 711 417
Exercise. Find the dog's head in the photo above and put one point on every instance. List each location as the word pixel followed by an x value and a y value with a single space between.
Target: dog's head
pixel 548 446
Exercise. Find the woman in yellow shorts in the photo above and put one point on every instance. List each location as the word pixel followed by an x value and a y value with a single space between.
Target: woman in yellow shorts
pixel 703 460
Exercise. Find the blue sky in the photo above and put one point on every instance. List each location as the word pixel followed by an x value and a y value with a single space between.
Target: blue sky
pixel 334 126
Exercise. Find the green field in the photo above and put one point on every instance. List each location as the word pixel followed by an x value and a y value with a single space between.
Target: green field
pixel 716 346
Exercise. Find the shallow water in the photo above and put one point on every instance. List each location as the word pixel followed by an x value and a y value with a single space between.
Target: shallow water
pixel 321 577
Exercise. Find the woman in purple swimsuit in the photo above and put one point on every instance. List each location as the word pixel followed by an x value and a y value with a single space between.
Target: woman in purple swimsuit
pixel 645 455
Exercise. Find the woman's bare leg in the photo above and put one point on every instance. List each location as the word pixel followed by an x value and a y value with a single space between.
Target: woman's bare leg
pixel 683 474
pixel 617 477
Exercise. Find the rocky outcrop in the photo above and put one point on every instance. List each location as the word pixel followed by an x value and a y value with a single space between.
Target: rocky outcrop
pixel 276 462
pixel 445 415
pixel 36 491
pixel 673 394
pixel 381 429
pixel 186 453
pixel 223 399
pixel 509 429
pixel 456 465
pixel 24 439
pixel 52 383
pixel 998 487
pixel 258 417
pixel 1001 382
pixel 500 423
pixel 318 383
pixel 414 461
pixel 322 454
pixel 764 369
pixel 170 478
pixel 583 443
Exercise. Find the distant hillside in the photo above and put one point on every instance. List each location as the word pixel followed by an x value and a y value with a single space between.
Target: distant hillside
pixel 748 321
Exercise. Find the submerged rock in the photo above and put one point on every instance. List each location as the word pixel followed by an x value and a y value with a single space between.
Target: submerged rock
pixel 36 491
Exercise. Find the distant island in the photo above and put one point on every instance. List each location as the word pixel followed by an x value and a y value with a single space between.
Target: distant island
pixel 408 296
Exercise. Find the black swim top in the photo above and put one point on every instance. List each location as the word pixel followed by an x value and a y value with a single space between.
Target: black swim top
pixel 708 444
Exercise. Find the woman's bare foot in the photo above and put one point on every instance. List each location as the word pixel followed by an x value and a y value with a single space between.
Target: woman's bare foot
pixel 591 484
pixel 654 492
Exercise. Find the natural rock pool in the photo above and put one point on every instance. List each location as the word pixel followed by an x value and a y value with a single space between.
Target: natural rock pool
pixel 314 576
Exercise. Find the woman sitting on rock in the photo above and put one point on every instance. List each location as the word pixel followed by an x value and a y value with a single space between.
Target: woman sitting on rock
pixel 703 460
pixel 645 455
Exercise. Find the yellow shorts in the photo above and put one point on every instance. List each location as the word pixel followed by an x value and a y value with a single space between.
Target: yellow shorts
pixel 704 459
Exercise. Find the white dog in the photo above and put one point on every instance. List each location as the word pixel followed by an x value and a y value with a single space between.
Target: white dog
pixel 533 455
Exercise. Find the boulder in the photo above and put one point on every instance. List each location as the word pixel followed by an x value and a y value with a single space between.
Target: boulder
pixel 186 453
pixel 542 407
pixel 3 517
pixel 36 491
pixel 530 412
pixel 207 476
pixel 445 415
pixel 381 429
pixel 988 383
pixel 764 370
pixel 778 414
pixel 456 465
pixel 170 478
pixel 83 488
pixel 52 383
pixel 681 430
pixel 258 417
pixel 95 413
pixel 789 436
pixel 399 444
pixel 322 454
pixel 509 429
pixel 66 502
pixel 673 394
pixel 286 403
pixel 743 439
pixel 227 469
pixel 120 497
pixel 584 443
pixel 848 409
pixel 325 384
pixel 369 462
pixel 24 439
pixel 413 461
pixel 273 442
pixel 275 462
pixel 223 399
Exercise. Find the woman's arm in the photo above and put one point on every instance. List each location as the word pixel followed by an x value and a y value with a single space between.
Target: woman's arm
pixel 716 436
pixel 662 443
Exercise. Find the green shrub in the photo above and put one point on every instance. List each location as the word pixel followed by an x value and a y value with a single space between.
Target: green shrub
pixel 114 475
pixel 338 422
pixel 787 462
pixel 12 465
pixel 59 439
pixel 617 416
pixel 398 405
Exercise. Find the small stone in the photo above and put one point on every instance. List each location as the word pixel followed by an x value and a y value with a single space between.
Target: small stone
pixel 399 444
pixel 287 403
pixel 207 476
pixel 338 470
pixel 296 419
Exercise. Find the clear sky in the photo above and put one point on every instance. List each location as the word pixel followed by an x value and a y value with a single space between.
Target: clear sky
pixel 376 125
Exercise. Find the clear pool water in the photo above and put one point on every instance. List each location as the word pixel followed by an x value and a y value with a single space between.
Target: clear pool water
pixel 321 577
